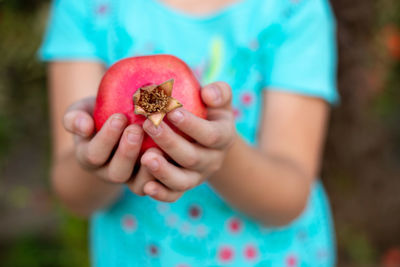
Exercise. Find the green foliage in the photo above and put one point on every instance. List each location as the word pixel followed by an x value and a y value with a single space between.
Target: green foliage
pixel 357 247
pixel 74 237
pixel 387 104
pixel 64 248
pixel 22 5
pixel 4 135
pixel 24 120
pixel 23 101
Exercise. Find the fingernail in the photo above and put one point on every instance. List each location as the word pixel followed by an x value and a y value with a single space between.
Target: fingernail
pixel 81 124
pixel 152 129
pixel 215 94
pixel 153 165
pixel 117 123
pixel 133 137
pixel 175 116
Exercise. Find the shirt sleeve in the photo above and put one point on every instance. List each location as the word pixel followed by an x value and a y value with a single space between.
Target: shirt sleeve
pixel 70 33
pixel 305 60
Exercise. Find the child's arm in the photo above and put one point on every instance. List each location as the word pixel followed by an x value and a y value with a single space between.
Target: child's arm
pixel 82 176
pixel 270 183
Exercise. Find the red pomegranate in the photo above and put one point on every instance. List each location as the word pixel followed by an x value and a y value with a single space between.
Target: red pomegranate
pixel 147 87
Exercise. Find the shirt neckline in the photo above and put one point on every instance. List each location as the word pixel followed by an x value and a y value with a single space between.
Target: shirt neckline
pixel 180 14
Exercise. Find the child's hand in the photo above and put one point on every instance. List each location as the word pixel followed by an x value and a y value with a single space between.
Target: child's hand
pixel 95 151
pixel 197 161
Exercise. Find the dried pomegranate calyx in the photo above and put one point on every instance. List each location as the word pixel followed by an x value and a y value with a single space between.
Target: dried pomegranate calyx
pixel 155 101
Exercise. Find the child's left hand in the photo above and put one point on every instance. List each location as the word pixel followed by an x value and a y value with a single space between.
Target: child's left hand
pixel 198 160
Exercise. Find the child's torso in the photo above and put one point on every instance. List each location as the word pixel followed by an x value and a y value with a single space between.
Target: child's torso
pixel 200 229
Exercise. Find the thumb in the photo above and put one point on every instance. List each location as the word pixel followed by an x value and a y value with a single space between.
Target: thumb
pixel 78 117
pixel 217 95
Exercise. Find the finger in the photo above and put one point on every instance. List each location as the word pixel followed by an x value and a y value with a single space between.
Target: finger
pixel 96 152
pixel 137 183
pixel 122 163
pixel 215 133
pixel 143 176
pixel 77 118
pixel 175 178
pixel 217 95
pixel 160 192
pixel 79 122
pixel 182 151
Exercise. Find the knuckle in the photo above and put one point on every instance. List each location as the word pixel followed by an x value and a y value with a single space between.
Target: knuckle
pixel 111 174
pixel 92 158
pixel 123 150
pixel 115 176
pixel 215 166
pixel 166 142
pixel 191 160
pixel 184 186
pixel 108 131
pixel 213 138
pixel 81 158
pixel 226 139
pixel 127 151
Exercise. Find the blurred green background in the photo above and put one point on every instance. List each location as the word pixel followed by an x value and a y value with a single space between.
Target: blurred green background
pixel 361 167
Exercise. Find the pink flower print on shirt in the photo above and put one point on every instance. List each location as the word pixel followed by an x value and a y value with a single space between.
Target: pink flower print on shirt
pixel 185 228
pixel 153 250
pixel 254 45
pixel 291 261
pixel 195 211
pixel 162 208
pixel 171 220
pixel 234 225
pixel 250 252
pixel 201 230
pixel 225 254
pixel 102 10
pixel 129 223
pixel 247 99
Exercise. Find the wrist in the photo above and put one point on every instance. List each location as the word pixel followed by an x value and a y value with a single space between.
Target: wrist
pixel 229 159
pixel 81 191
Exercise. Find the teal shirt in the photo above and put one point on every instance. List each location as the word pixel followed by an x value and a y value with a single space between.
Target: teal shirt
pixel 253 45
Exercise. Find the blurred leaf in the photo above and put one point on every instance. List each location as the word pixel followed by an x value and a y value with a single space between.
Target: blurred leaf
pixel 357 246
pixel 19 197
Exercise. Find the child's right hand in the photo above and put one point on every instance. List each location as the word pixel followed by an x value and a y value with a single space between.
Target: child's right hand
pixel 95 151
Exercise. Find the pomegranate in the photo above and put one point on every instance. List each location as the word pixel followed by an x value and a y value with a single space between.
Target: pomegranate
pixel 147 87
